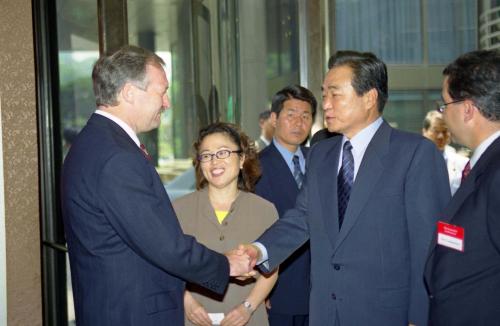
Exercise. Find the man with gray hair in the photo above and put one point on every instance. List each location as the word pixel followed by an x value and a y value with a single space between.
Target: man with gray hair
pixel 126 248
pixel 463 268
pixel 435 129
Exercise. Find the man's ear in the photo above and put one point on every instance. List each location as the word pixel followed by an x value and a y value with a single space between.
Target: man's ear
pixel 371 98
pixel 470 109
pixel 274 119
pixel 128 92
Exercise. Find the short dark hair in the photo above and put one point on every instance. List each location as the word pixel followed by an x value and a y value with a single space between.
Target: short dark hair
pixel 476 76
pixel 368 72
pixel 251 167
pixel 293 92
pixel 264 115
pixel 111 72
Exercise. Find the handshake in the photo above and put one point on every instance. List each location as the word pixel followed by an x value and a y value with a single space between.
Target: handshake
pixel 243 260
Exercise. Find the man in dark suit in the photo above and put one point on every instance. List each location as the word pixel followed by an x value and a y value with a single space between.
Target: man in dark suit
pixel 126 248
pixel 266 130
pixel 283 167
pixel 368 205
pixel 463 269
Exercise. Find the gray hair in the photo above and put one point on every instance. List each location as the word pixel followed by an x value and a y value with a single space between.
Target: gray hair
pixel 111 72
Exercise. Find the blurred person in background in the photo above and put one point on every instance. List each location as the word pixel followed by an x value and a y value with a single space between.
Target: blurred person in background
pixel 266 130
pixel 435 129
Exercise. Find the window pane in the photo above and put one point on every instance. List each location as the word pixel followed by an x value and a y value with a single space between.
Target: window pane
pixel 406 109
pixel 390 29
pixel 452 29
pixel 78 49
pixel 282 43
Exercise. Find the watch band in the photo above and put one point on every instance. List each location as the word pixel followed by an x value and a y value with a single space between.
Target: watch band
pixel 248 306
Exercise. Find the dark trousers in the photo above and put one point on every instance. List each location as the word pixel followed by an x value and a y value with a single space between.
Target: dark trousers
pixel 287 320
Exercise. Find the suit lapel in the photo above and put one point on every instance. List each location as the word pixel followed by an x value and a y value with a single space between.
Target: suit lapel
pixel 281 171
pixel 369 172
pixel 327 184
pixel 465 190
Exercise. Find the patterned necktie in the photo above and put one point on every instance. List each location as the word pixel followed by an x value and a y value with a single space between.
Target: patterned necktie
pixel 146 153
pixel 465 172
pixel 345 180
pixel 297 172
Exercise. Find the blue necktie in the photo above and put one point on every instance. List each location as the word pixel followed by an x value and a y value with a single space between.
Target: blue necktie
pixel 345 180
pixel 297 172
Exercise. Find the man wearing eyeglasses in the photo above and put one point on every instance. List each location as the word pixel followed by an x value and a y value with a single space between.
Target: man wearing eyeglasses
pixel 463 268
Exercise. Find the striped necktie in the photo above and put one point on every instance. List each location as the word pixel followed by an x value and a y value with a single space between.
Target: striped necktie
pixel 297 172
pixel 345 180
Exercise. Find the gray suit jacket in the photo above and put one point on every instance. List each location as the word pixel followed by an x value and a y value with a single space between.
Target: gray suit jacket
pixel 371 271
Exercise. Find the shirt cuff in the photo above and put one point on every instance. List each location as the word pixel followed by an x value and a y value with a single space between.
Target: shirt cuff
pixel 263 253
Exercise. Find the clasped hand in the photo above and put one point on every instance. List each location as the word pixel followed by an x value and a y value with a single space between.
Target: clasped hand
pixel 242 261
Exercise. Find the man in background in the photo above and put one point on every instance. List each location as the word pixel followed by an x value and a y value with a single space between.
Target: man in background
pixel 435 129
pixel 463 268
pixel 283 168
pixel 266 130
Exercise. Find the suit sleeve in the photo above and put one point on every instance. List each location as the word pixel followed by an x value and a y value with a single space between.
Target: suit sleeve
pixel 139 210
pixel 427 192
pixel 493 210
pixel 288 233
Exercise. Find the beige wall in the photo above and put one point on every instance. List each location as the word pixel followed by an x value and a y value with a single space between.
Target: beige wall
pixel 20 164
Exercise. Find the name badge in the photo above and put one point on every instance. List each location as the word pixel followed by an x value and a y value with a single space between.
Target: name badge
pixel 451 236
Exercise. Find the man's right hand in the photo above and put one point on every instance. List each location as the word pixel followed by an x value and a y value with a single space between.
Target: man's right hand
pixel 251 251
pixel 239 263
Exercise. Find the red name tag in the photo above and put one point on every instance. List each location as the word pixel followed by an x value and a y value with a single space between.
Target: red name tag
pixel 451 236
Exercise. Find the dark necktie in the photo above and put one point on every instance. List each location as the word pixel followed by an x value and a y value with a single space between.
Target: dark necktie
pixel 345 180
pixel 146 153
pixel 465 172
pixel 297 172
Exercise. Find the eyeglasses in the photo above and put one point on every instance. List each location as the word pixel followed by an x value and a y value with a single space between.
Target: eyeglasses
pixel 440 106
pixel 222 154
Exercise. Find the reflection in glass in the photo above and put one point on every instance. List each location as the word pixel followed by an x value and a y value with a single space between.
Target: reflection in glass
pixel 78 49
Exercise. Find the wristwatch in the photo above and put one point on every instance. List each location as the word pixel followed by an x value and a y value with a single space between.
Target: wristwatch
pixel 248 306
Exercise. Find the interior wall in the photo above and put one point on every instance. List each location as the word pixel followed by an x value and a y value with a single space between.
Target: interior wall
pixel 20 164
pixel 3 263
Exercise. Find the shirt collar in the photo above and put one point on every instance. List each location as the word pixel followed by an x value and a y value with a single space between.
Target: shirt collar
pixel 362 139
pixel 288 156
pixel 482 148
pixel 122 124
pixel 264 140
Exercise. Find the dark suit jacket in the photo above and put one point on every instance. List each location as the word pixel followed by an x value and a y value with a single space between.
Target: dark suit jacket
pixel 369 272
pixel 291 293
pixel 465 286
pixel 126 248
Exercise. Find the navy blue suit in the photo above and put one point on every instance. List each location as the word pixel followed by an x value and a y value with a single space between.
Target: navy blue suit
pixel 465 286
pixel 290 296
pixel 126 248
pixel 370 272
